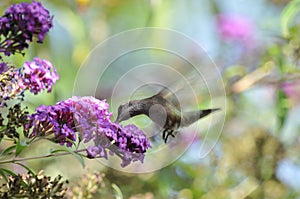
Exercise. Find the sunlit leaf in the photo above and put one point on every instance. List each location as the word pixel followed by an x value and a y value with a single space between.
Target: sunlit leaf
pixel 118 192
pixel 288 15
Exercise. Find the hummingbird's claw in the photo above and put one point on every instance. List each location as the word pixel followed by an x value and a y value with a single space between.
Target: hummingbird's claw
pixel 165 136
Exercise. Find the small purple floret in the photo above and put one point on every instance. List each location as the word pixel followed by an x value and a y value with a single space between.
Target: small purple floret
pixel 3 67
pixel 92 151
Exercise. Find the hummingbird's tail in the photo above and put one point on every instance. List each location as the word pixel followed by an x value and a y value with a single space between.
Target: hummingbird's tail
pixel 206 112
pixel 189 118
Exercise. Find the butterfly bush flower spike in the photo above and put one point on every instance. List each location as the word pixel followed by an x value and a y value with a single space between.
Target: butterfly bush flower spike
pixel 20 23
pixel 39 75
pixel 54 121
pixel 91 119
pixel 94 124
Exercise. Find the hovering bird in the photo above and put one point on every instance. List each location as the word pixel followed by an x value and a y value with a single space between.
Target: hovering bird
pixel 163 109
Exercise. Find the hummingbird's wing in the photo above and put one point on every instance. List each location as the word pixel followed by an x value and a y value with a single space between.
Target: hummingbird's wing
pixel 168 95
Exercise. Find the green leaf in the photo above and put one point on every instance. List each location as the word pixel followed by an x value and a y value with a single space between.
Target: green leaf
pixel 58 151
pixel 8 150
pixel 26 167
pixel 2 128
pixel 118 192
pixel 282 107
pixel 20 147
pixel 288 14
pixel 77 156
pixel 4 171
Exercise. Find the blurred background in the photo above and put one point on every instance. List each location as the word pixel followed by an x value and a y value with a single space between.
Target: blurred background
pixel 255 46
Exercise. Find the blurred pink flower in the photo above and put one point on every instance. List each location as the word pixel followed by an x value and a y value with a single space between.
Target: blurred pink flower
pixel 235 28
pixel 291 89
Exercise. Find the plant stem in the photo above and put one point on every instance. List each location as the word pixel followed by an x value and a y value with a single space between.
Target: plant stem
pixel 42 156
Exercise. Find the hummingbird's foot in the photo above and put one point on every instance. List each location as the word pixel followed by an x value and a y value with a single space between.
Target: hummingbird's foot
pixel 165 136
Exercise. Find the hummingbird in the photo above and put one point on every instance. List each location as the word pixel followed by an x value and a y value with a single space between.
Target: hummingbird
pixel 163 109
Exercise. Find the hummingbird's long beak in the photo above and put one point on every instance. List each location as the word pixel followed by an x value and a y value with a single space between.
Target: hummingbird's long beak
pixel 118 120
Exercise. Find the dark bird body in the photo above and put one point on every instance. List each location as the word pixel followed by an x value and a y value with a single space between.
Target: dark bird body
pixel 163 109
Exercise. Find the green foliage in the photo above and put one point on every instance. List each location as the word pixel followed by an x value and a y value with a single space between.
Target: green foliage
pixel 20 146
pixel 282 105
pixel 76 155
pixel 288 14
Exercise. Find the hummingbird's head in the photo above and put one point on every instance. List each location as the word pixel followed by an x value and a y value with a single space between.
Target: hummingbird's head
pixel 124 112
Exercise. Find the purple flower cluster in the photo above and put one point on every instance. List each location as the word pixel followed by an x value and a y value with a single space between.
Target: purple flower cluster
pixel 21 23
pixel 129 143
pixel 88 113
pixel 18 26
pixel 91 119
pixel 235 28
pixel 39 75
pixel 56 120
pixel 93 123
